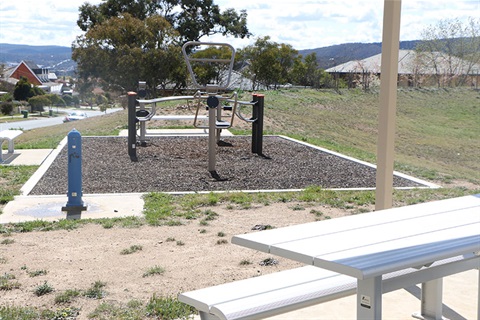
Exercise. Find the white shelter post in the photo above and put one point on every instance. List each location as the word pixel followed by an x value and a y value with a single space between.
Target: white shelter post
pixel 388 104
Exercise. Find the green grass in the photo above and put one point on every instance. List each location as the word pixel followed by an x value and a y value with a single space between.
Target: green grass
pixel 437 129
pixel 156 270
pixel 7 241
pixel 50 137
pixel 96 290
pixel 43 289
pixel 8 282
pixel 12 178
pixel 36 273
pixel 67 296
pixel 29 313
pixel 133 248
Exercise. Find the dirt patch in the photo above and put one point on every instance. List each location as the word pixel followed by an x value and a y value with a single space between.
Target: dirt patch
pixel 193 256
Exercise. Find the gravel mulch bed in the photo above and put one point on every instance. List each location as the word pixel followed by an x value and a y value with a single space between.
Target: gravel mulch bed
pixel 170 164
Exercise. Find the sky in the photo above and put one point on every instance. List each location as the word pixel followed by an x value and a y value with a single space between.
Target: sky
pixel 303 24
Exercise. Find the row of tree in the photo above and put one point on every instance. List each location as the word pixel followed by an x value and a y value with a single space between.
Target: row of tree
pixel 452 49
pixel 35 97
pixel 127 41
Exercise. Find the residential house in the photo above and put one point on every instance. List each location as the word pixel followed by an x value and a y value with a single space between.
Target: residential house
pixel 414 70
pixel 37 76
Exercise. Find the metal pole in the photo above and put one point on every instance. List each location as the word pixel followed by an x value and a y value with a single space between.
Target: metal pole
pixel 75 205
pixel 388 104
pixel 132 131
pixel 213 104
pixel 219 118
pixel 143 129
pixel 257 125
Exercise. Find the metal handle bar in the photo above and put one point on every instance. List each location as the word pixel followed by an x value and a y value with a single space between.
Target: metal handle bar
pixel 224 61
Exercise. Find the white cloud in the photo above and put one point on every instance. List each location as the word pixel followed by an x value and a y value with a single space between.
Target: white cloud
pixel 304 24
pixel 50 22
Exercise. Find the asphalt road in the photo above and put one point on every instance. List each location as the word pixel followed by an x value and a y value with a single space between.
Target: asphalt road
pixel 46 122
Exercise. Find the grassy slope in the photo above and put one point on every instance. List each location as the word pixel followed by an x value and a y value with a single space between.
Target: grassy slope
pixel 437 132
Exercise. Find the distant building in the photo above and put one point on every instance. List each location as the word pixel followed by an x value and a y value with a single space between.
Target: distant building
pixel 36 75
pixel 414 70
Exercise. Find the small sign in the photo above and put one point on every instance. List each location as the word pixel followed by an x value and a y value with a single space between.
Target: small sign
pixel 365 302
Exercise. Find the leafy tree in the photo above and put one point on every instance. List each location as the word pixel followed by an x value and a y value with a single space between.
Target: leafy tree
pixel 6 86
pixel 6 107
pixel 55 100
pixel 127 41
pixel 68 99
pixel 123 50
pixel 452 49
pixel 6 97
pixel 270 63
pixel 193 19
pixel 39 102
pixel 23 90
pixel 206 72
pixel 76 101
pixel 306 72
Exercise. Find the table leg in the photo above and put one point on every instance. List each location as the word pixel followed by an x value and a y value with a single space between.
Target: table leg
pixel 207 316
pixel 369 299
pixel 432 304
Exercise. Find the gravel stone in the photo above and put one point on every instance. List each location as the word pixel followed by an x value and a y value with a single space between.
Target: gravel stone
pixel 180 164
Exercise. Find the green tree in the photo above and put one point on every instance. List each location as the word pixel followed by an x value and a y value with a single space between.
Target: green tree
pixel 193 19
pixel 270 63
pixel 305 71
pixel 68 99
pixel 6 107
pixel 211 72
pixel 39 102
pixel 123 50
pixel 127 41
pixel 56 100
pixel 23 90
pixel 451 49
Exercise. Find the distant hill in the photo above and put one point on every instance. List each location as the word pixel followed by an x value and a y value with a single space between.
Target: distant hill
pixel 55 58
pixel 328 57
pixel 58 59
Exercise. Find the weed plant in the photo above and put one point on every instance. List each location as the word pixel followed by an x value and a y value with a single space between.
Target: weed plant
pixel 156 270
pixel 167 308
pixel 67 296
pixel 134 248
pixel 96 290
pixel 43 289
pixel 7 241
pixel 37 273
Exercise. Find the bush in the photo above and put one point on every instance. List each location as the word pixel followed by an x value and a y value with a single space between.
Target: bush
pixel 38 102
pixel 68 99
pixel 168 308
pixel 6 108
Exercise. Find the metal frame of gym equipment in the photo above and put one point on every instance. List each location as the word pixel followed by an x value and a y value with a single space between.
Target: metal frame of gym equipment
pixel 211 94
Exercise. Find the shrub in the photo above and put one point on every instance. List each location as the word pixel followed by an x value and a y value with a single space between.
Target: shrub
pixel 43 289
pixel 168 308
pixel 6 108
pixel 132 249
pixel 154 271
pixel 96 290
pixel 67 296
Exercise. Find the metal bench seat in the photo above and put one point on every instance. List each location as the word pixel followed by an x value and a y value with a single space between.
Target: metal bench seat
pixel 8 135
pixel 289 290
